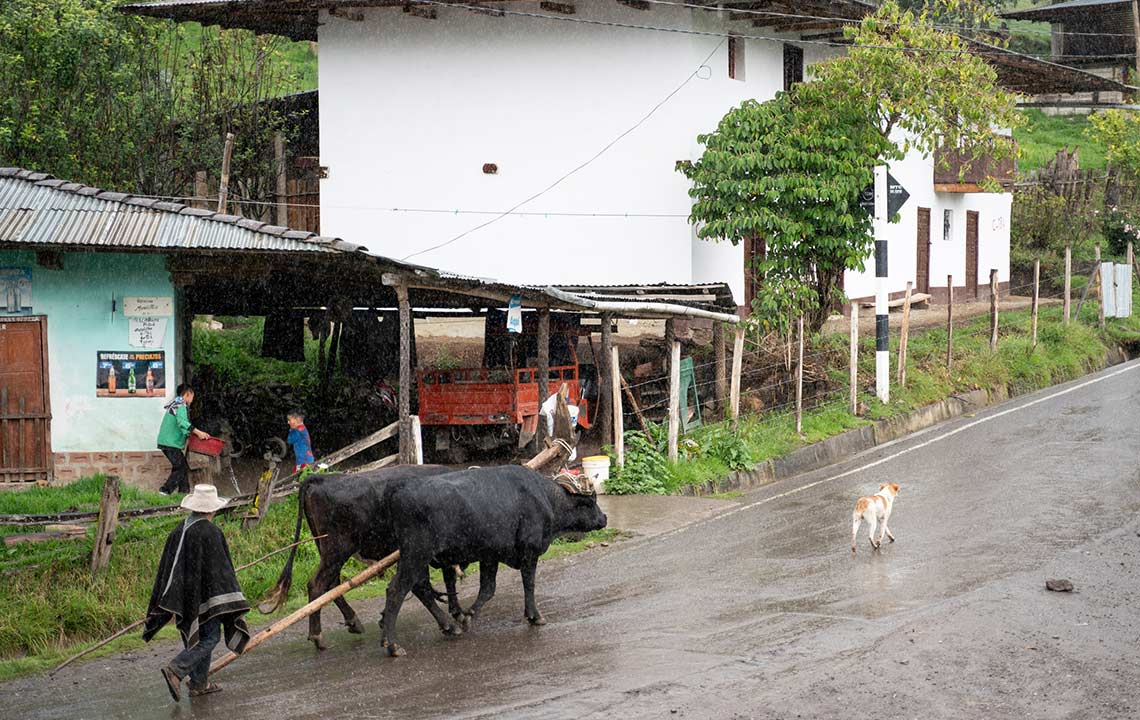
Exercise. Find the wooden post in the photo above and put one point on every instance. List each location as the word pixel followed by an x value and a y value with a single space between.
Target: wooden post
pixel 417 439
pixel 674 399
pixel 993 309
pixel 262 499
pixel 721 375
pixel 105 527
pixel 800 377
pixel 734 383
pixel 282 179
pixel 604 415
pixel 904 333
pixel 633 405
pixel 949 321
pixel 1136 33
pixel 854 358
pixel 201 190
pixel 1068 281
pixel 405 404
pixel 305 611
pixel 619 420
pixel 1036 296
pixel 543 371
pixel 1099 288
pixel 224 183
pixel 1129 258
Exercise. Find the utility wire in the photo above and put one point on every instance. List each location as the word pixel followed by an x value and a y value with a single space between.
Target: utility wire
pixel 594 157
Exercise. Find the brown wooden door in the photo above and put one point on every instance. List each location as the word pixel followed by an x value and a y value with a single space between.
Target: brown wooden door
pixel 971 254
pixel 25 416
pixel 922 266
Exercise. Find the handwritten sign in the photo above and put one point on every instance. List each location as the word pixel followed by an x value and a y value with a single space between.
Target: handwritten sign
pixel 146 332
pixel 148 306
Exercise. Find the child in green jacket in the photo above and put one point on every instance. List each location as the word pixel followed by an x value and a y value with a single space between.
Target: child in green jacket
pixel 172 436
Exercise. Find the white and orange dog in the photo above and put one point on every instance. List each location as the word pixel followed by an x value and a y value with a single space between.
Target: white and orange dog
pixel 874 509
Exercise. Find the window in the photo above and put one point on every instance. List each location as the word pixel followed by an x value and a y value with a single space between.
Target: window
pixel 736 58
pixel 947 225
pixel 793 66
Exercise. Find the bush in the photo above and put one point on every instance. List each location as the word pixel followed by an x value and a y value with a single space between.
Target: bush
pixel 1120 228
pixel 646 469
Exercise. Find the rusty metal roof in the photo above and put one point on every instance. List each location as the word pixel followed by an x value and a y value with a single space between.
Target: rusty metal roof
pixel 38 209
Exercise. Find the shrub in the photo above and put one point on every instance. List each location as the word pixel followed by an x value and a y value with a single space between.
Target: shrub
pixel 645 471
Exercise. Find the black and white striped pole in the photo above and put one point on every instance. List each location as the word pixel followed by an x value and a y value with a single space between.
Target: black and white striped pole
pixel 882 322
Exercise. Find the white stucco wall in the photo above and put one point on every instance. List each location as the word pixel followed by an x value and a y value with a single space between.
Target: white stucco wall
pixel 411 109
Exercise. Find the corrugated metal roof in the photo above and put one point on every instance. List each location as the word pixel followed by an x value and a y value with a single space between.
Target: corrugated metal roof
pixel 37 209
pixel 1042 12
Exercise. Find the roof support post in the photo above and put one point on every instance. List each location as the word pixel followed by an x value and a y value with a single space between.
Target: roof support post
pixel 721 385
pixel 543 370
pixel 604 416
pixel 407 447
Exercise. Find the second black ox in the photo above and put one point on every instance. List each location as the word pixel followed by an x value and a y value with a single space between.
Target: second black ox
pixel 487 515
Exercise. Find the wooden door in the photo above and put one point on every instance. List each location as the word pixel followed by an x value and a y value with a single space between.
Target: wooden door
pixel 971 254
pixel 25 415
pixel 922 255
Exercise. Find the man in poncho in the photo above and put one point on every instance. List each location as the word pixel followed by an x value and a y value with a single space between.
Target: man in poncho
pixel 197 587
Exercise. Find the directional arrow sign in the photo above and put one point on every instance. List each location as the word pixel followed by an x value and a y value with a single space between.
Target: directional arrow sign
pixel 896 197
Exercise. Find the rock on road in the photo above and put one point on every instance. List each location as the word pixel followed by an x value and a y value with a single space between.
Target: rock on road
pixel 762 611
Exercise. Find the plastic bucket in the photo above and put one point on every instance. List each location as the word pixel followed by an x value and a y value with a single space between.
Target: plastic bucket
pixel 597 468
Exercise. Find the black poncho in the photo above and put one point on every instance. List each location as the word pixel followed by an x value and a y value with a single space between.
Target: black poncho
pixel 195 584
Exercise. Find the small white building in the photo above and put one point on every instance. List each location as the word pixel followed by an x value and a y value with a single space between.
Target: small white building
pixel 435 119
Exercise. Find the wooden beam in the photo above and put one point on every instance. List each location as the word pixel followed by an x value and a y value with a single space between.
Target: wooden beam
pixel 604 415
pixel 224 183
pixel 543 369
pixel 674 399
pixel 405 402
pixel 361 445
pixel 619 419
pixel 721 375
pixel 737 362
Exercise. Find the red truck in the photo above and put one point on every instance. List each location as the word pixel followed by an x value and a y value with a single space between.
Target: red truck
pixel 498 405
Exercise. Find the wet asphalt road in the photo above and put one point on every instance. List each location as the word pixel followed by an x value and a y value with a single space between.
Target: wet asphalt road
pixel 762 611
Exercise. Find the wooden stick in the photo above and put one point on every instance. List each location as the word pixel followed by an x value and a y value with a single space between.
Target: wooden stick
pixel 376 464
pixel 905 331
pixel 281 178
pixel 993 310
pixel 134 625
pixel 543 369
pixel 1036 296
pixel 854 358
pixel 405 399
pixel 619 420
pixel 108 522
pixel 1068 281
pixel 634 405
pixel 737 361
pixel 305 611
pixel 800 377
pixel 674 399
pixel 1099 289
pixel 224 183
pixel 949 321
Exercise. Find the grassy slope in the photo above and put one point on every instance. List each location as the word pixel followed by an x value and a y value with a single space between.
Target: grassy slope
pixel 1040 138
pixel 50 608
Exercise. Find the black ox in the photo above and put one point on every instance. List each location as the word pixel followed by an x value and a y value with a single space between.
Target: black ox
pixel 488 515
pixel 348 509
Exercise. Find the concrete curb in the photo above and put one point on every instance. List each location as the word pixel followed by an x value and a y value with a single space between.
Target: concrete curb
pixel 845 445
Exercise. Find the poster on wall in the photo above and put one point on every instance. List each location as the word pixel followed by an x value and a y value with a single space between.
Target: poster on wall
pixel 15 291
pixel 146 332
pixel 130 374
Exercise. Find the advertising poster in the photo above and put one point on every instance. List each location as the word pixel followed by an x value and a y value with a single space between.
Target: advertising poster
pixel 130 374
pixel 15 291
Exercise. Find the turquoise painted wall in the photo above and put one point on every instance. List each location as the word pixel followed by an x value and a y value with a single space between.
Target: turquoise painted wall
pixel 77 303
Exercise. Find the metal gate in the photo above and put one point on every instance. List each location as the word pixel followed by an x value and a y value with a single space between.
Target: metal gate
pixel 25 412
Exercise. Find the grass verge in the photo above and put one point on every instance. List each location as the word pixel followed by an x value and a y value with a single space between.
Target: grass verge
pixel 50 608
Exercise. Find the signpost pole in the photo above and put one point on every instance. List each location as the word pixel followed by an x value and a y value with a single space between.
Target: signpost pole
pixel 882 337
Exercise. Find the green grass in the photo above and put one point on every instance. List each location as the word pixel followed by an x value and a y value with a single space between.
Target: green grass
pixel 1040 138
pixel 1063 353
pixel 80 496
pixel 51 608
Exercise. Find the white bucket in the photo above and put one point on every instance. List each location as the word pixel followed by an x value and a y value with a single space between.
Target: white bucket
pixel 597 468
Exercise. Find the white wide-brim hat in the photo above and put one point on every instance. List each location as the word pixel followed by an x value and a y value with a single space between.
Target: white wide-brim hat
pixel 204 499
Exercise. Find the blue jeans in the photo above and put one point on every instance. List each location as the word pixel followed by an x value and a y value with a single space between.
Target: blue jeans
pixel 195 662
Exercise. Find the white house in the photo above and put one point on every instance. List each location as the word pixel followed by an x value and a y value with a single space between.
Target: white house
pixel 435 119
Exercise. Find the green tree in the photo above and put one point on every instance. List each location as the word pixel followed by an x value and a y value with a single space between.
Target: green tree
pixel 1119 132
pixel 92 95
pixel 790 170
